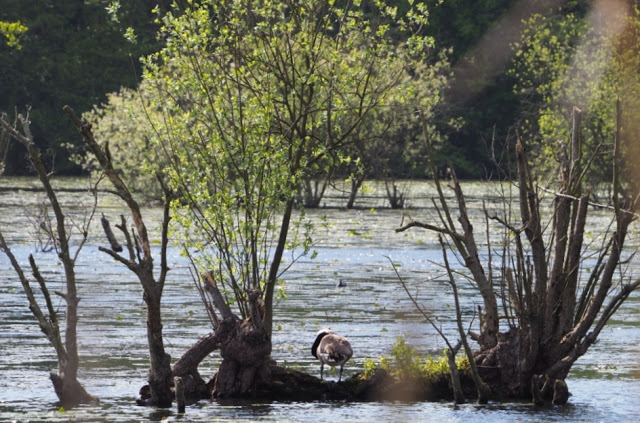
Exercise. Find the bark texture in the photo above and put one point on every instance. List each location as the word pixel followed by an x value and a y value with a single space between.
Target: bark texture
pixel 138 258
pixel 554 306
pixel 245 346
pixel 66 385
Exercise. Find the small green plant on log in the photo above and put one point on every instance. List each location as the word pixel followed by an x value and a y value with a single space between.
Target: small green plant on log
pixel 406 361
pixel 68 388
pixel 557 290
pixel 408 375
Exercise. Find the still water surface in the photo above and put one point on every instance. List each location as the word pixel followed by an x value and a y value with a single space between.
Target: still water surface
pixel 372 310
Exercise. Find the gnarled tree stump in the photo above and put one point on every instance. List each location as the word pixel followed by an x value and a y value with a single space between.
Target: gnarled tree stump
pixel 244 347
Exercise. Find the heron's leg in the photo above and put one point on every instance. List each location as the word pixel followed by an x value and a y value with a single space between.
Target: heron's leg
pixel 340 378
pixel 321 370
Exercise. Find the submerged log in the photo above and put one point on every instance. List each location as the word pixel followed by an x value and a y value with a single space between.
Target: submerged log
pixel 271 382
pixel 283 384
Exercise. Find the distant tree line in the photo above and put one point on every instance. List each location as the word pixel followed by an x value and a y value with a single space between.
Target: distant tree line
pixel 76 53
pixel 72 52
pixel 79 52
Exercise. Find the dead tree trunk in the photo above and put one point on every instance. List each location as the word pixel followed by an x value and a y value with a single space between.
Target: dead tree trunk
pixel 139 260
pixel 65 382
pixel 559 306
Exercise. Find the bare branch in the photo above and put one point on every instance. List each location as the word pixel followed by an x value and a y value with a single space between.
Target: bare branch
pixel 45 292
pixel 114 177
pixel 115 246
pixel 427 226
pixel 218 300
pixel 418 306
pixel 33 304
pixel 591 203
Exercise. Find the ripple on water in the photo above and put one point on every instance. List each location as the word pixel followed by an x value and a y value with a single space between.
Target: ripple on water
pixel 372 310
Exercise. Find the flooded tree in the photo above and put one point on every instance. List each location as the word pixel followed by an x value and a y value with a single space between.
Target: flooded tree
pixel 139 259
pixel 246 102
pixel 556 289
pixel 253 101
pixel 263 95
pixel 68 388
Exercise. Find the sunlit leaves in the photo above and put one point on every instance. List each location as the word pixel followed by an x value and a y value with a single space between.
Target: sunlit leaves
pixel 243 109
pixel 12 32
pixel 248 100
pixel 112 9
pixel 130 35
pixel 566 61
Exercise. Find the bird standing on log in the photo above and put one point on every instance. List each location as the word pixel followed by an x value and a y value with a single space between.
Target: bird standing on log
pixel 332 349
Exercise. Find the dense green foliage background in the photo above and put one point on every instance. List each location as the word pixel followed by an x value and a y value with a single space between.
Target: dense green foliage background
pixel 75 52
pixel 72 53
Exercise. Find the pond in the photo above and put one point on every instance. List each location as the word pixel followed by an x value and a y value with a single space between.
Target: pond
pixel 372 311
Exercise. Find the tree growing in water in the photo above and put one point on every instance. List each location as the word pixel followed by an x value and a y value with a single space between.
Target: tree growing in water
pixel 556 290
pixel 255 95
pixel 246 100
pixel 138 258
pixel 68 388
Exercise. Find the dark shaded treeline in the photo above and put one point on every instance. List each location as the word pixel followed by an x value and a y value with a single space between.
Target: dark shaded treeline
pixel 75 53
pixel 72 53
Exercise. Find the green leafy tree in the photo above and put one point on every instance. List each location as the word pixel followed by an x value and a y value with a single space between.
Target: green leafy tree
pixel 253 95
pixel 590 61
